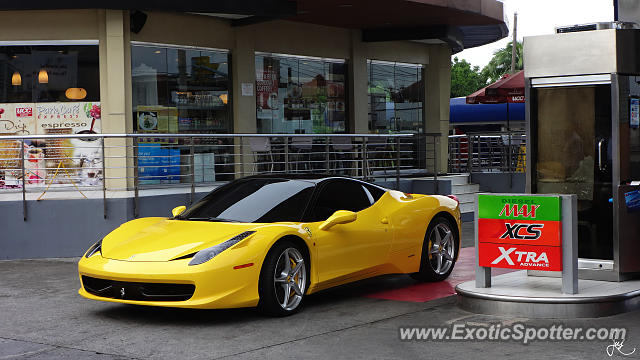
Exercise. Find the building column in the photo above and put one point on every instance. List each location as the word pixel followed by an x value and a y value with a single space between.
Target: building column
pixel 113 38
pixel 357 86
pixel 437 93
pixel 244 106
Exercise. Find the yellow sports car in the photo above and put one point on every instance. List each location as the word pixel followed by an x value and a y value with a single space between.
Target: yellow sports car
pixel 268 241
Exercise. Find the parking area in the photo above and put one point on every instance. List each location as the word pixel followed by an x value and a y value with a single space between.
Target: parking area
pixel 43 317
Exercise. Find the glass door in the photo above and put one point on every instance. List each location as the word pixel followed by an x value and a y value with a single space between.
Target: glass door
pixel 571 130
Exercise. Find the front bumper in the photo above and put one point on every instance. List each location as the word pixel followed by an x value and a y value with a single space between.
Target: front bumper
pixel 217 284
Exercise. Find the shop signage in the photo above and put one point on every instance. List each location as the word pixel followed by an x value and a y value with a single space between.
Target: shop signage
pixel 520 232
pixel 54 161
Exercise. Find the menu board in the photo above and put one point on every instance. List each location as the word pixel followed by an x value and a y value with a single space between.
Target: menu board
pixel 55 161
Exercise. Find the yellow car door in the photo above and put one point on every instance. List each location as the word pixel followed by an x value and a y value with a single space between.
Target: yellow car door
pixel 353 247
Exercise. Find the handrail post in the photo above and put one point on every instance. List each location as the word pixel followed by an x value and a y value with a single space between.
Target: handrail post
pixel 435 163
pixel 241 146
pixel 136 179
pixel 469 154
pixel 365 167
pixel 24 183
pixel 397 163
pixel 104 182
pixel 192 167
pixel 326 145
pixel 286 154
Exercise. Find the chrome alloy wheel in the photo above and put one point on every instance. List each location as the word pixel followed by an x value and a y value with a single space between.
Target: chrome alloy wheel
pixel 442 248
pixel 290 278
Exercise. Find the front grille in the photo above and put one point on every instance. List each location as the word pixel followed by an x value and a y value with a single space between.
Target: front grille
pixel 137 291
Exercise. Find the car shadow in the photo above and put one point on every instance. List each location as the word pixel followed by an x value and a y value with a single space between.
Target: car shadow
pixel 331 297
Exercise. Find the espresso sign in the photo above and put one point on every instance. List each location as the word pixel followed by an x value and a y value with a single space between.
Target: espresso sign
pixel 520 232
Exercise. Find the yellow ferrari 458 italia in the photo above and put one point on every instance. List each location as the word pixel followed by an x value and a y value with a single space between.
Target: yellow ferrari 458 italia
pixel 268 241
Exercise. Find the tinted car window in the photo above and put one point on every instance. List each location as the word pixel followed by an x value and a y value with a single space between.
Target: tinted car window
pixel 339 195
pixel 254 200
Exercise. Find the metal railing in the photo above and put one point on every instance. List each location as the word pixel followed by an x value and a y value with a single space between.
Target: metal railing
pixel 487 152
pixel 90 163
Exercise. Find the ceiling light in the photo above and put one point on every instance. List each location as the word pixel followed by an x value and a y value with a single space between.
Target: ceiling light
pixel 75 93
pixel 16 79
pixel 43 77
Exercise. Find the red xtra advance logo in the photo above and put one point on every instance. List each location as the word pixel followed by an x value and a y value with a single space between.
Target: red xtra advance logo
pixel 548 258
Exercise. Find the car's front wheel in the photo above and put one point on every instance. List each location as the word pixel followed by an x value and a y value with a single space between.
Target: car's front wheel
pixel 283 280
pixel 438 251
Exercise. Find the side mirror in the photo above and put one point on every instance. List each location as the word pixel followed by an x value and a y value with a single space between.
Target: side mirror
pixel 178 210
pixel 338 217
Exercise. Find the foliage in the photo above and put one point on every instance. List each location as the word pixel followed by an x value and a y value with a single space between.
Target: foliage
pixel 465 79
pixel 500 63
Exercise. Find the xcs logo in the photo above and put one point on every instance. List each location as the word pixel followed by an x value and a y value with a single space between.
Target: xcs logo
pixel 522 231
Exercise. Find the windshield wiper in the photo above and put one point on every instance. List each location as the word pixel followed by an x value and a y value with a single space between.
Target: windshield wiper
pixel 222 220
pixel 210 219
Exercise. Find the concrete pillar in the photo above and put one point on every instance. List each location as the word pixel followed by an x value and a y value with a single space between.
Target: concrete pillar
pixel 244 106
pixel 437 92
pixel 357 86
pixel 113 77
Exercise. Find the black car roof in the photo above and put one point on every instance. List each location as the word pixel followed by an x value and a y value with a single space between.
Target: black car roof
pixel 315 178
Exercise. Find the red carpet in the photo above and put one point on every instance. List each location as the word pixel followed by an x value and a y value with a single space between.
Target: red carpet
pixel 464 270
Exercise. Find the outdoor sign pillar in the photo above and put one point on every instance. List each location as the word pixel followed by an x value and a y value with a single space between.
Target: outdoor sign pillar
pixel 569 244
pixel 527 232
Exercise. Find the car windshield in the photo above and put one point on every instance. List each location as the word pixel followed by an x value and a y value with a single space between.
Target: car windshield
pixel 253 200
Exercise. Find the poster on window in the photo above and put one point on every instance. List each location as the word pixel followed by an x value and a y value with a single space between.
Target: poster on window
pixel 267 89
pixel 634 113
pixel 18 119
pixel 57 161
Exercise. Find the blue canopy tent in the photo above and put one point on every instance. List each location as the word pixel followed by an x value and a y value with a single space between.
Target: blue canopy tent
pixel 461 113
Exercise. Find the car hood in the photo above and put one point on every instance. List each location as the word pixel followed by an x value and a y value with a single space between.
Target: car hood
pixel 161 239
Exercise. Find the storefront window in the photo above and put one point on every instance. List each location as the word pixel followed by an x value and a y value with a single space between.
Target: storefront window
pixel 300 95
pixel 396 97
pixel 181 90
pixel 50 88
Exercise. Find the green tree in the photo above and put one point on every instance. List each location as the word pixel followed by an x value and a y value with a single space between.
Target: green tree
pixel 500 63
pixel 465 79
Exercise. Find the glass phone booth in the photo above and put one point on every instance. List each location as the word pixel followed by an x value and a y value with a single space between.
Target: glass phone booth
pixel 583 92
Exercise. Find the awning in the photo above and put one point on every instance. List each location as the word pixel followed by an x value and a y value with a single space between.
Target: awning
pixel 462 113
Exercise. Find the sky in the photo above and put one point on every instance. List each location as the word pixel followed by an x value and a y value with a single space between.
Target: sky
pixel 540 17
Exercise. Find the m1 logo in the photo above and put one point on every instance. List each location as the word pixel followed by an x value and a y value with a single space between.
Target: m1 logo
pixel 516 211
pixel 513 231
pixel 24 112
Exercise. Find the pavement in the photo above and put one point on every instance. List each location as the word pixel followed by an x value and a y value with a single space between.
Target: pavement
pixel 43 317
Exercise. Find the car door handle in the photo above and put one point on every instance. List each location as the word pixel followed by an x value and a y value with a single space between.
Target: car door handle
pixel 384 220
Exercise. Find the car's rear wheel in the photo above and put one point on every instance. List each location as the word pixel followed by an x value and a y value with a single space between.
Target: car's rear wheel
pixel 283 279
pixel 439 251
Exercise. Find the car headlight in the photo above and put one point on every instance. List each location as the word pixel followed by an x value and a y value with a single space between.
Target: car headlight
pixel 93 249
pixel 205 255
